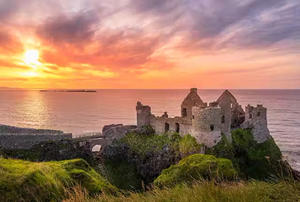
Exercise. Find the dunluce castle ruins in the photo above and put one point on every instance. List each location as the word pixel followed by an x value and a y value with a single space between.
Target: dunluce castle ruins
pixel 207 122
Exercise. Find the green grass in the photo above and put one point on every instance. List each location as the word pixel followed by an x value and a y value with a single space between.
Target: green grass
pixel 30 181
pixel 142 144
pixel 254 191
pixel 196 167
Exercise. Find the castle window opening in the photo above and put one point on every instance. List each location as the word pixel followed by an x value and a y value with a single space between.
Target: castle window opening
pixel 177 127
pixel 184 112
pixel 212 127
pixel 223 119
pixel 167 127
pixel 250 116
pixel 258 113
pixel 193 117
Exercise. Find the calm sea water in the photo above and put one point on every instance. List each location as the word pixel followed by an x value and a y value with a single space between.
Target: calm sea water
pixel 88 112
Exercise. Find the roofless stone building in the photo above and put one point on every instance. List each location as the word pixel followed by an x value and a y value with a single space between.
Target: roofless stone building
pixel 207 122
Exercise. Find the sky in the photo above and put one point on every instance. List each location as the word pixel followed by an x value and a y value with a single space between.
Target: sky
pixel 133 44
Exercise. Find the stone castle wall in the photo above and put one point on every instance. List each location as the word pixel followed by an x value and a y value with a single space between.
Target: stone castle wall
pixel 176 124
pixel 24 138
pixel 206 125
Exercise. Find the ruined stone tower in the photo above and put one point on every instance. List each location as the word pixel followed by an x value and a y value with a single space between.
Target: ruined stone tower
pixel 256 120
pixel 143 115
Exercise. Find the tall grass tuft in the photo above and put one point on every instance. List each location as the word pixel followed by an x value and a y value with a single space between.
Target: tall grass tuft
pixel 254 191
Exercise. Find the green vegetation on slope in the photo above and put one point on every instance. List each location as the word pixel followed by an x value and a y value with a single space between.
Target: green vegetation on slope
pixel 122 174
pixel 254 191
pixel 188 145
pixel 255 160
pixel 28 181
pixel 196 167
pixel 149 153
pixel 251 159
pixel 142 144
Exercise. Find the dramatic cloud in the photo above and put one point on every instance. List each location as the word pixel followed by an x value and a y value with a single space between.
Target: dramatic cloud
pixel 146 41
pixel 79 28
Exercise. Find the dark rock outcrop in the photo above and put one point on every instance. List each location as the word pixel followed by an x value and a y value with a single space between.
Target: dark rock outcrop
pixel 52 151
pixel 148 166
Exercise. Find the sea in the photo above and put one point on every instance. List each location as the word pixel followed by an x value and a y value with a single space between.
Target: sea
pixel 83 113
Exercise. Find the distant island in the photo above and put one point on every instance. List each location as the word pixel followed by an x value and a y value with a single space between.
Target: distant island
pixel 71 91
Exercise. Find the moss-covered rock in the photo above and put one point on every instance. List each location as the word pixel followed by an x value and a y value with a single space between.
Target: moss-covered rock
pixel 196 167
pixel 28 181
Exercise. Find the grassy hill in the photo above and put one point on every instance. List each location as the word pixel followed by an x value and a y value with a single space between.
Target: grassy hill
pixel 28 181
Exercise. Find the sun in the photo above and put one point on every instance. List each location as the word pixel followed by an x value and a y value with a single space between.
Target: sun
pixel 31 57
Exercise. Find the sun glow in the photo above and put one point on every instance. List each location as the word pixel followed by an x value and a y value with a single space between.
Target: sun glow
pixel 31 57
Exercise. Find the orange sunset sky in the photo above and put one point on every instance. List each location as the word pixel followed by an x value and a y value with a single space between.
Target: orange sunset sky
pixel 150 44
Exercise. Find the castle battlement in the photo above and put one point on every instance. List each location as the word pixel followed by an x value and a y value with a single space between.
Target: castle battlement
pixel 205 122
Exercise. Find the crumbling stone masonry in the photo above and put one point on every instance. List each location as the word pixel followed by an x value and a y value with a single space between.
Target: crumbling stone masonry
pixel 207 122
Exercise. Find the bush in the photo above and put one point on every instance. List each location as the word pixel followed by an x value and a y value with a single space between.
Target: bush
pixel 196 167
pixel 28 181
pixel 223 149
pixel 188 145
pixel 146 130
